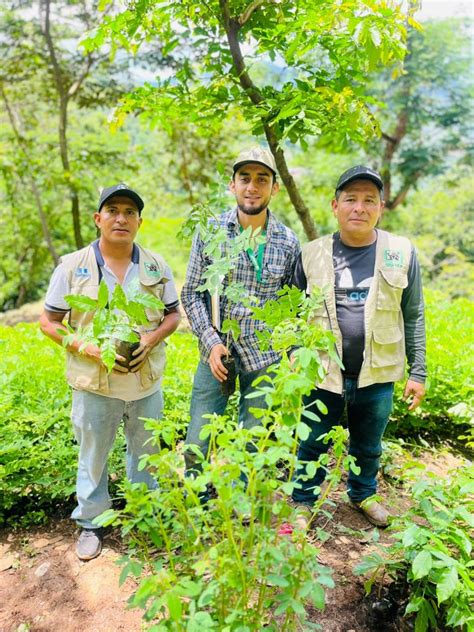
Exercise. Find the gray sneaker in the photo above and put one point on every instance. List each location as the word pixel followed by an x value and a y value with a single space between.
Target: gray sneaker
pixel 89 544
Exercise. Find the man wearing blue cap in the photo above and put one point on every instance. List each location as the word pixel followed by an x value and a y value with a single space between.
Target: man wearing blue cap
pixel 100 401
pixel 374 307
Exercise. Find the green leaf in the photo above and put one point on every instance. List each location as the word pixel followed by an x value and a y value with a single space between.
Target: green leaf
pixel 310 415
pixel 81 303
pixel 322 407
pixel 302 430
pixel 119 299
pixel 318 596
pixel 422 564
pixel 107 354
pixel 422 617
pixel 375 36
pixel 231 326
pixel 446 584
pixel 148 300
pixel 175 606
pixel 103 296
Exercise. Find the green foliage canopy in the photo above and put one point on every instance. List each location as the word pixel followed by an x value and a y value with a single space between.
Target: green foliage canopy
pixel 326 50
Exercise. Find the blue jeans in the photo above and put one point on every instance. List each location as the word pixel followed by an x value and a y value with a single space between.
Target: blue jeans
pixel 95 422
pixel 368 410
pixel 207 398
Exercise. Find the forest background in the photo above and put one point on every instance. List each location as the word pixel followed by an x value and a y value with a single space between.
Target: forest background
pixel 153 98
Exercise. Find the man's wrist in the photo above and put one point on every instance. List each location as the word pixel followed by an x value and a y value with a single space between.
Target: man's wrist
pixel 417 378
pixel 210 338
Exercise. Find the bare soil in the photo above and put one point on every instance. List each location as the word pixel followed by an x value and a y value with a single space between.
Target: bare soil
pixel 45 588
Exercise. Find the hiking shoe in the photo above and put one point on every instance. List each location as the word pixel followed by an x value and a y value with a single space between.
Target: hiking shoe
pixel 373 511
pixel 89 544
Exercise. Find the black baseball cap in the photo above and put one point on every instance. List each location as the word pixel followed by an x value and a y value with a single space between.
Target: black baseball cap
pixel 360 172
pixel 120 189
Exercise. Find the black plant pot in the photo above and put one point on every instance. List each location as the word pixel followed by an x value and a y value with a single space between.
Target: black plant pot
pixel 228 386
pixel 126 350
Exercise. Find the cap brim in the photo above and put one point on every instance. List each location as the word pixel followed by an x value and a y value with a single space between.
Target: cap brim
pixel 125 193
pixel 252 162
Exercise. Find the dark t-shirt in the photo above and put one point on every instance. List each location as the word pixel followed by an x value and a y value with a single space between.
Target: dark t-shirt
pixel 354 271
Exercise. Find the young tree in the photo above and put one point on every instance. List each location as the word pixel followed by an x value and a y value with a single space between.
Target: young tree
pixel 325 50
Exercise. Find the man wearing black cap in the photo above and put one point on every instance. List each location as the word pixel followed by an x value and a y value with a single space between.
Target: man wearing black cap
pixel 374 307
pixel 100 401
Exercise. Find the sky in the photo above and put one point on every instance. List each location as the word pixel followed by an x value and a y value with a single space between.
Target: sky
pixel 445 9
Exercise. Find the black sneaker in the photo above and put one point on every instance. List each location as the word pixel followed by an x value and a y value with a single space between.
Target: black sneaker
pixel 89 544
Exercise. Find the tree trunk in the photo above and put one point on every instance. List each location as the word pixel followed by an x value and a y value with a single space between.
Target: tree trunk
pixel 30 177
pixel 63 98
pixel 232 27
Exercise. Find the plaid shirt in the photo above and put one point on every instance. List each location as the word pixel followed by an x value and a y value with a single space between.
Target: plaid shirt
pixel 281 252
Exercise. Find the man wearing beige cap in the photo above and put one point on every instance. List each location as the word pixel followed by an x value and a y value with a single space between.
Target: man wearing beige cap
pixel 262 271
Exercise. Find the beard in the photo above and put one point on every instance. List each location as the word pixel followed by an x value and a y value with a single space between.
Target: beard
pixel 253 210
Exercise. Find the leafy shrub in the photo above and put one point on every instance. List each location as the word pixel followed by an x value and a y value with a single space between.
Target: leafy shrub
pixel 224 565
pixel 38 453
pixel 448 409
pixel 431 555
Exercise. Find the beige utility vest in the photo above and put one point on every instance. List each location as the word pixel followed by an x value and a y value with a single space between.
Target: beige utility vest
pixel 84 373
pixel 384 352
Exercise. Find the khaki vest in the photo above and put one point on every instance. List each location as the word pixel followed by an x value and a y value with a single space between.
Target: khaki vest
pixel 89 375
pixel 384 352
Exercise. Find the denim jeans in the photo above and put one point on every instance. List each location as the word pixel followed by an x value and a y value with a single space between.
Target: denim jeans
pixel 368 410
pixel 207 398
pixel 95 422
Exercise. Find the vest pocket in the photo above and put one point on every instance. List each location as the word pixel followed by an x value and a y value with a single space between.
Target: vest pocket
pixel 391 286
pixel 154 366
pixel 85 374
pixel 387 347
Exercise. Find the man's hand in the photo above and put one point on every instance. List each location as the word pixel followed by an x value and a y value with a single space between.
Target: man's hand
pixel 93 352
pixel 147 342
pixel 414 393
pixel 218 369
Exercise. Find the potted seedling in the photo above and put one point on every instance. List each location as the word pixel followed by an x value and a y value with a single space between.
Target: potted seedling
pixel 114 327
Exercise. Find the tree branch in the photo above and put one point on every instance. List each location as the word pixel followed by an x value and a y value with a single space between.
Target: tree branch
pixel 402 194
pixel 76 86
pixel 253 6
pixel 232 27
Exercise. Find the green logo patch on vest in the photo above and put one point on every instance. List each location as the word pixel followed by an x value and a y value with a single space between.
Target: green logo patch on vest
pixel 152 269
pixel 393 258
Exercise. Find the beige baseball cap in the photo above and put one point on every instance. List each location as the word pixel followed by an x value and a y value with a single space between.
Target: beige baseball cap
pixel 256 154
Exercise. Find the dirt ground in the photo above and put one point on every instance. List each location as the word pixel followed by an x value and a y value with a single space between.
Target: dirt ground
pixel 45 588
